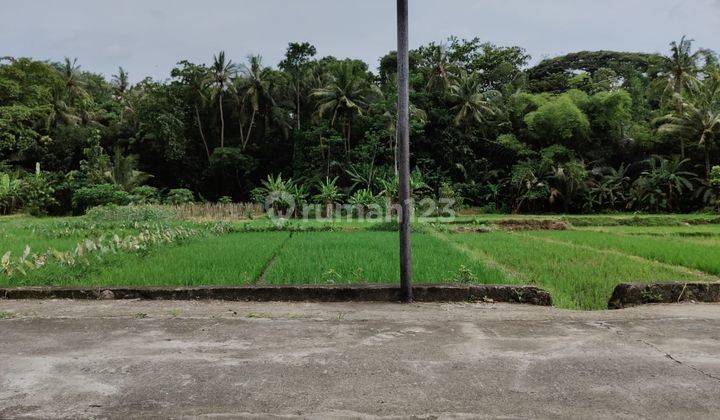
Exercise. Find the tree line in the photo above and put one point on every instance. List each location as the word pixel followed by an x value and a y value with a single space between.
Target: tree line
pixel 587 132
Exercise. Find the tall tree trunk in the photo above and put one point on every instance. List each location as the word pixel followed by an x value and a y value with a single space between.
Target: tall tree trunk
pixel 241 112
pixel 250 128
pixel 395 153
pixel 347 140
pixel 222 122
pixel 202 133
pixel 297 91
pixel 679 108
pixel 682 148
pixel 708 168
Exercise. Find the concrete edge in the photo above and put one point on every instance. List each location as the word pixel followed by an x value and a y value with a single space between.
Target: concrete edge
pixel 635 294
pixel 367 293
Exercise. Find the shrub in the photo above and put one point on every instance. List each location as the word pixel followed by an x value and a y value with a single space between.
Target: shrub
pixel 450 195
pixel 99 195
pixel 225 200
pixel 180 196
pixel 130 214
pixel 715 177
pixel 559 121
pixel 362 201
pixel 145 195
pixel 38 196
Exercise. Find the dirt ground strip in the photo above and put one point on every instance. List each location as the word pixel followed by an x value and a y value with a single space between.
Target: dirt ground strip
pixel 123 359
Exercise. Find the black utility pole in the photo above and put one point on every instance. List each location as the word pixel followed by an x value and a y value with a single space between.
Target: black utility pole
pixel 403 136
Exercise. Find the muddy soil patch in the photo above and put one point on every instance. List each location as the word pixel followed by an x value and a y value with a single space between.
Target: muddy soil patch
pixel 529 224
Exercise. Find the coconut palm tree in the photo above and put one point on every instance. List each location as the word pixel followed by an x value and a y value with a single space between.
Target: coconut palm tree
pixel 60 112
pixel 74 85
pixel 220 79
pixel 199 100
pixel 253 90
pixel 296 66
pixel 389 102
pixel 194 77
pixel 346 95
pixel 473 104
pixel 441 69
pixel 121 84
pixel 699 119
pixel 681 69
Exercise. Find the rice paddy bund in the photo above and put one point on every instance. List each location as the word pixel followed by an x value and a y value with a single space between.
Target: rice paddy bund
pixel 580 265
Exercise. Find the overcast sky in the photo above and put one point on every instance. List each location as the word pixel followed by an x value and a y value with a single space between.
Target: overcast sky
pixel 148 37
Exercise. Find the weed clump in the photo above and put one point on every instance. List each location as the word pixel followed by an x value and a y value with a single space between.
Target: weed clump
pixel 130 214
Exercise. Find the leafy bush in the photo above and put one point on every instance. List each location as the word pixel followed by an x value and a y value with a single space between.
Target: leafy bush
pixel 145 195
pixel 180 196
pixel 362 200
pixel 225 200
pixel 448 193
pixel 99 195
pixel 559 121
pixel 38 196
pixel 715 177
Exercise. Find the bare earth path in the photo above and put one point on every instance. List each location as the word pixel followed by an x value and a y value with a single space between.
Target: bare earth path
pixel 188 359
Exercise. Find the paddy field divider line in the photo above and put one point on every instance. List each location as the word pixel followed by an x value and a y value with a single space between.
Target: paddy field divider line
pixel 483 257
pixel 261 278
pixel 679 268
pixel 675 236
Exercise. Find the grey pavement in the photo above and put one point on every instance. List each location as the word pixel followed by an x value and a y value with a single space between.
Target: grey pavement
pixel 129 359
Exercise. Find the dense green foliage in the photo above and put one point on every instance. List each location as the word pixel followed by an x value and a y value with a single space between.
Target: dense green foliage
pixel 587 132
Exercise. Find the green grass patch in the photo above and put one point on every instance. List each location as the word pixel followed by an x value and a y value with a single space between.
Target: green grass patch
pixel 39 234
pixel 580 267
pixel 372 257
pixel 234 259
pixel 667 249
pixel 577 278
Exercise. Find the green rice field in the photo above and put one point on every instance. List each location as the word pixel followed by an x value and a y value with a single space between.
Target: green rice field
pixel 580 266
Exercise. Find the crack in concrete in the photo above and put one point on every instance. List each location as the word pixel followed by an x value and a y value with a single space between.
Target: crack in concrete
pixel 667 355
pixel 677 361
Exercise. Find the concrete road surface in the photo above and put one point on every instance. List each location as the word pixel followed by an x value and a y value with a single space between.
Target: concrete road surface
pixel 221 359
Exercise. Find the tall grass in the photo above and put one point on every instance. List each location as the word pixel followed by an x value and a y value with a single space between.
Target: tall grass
pixel 216 211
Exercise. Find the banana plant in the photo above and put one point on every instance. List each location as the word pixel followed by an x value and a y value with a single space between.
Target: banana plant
pixel 10 189
pixel 329 194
